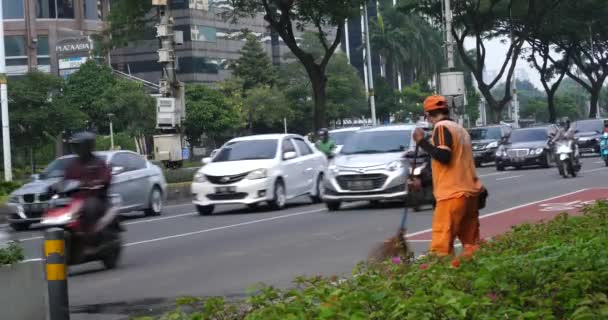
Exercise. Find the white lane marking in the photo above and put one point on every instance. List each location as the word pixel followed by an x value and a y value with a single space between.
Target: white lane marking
pixel 511 177
pixel 599 162
pixel 161 218
pixel 506 210
pixel 223 227
pixel 593 170
pixel 492 174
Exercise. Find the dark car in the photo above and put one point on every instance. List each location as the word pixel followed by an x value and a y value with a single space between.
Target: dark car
pixel 588 133
pixel 485 142
pixel 527 147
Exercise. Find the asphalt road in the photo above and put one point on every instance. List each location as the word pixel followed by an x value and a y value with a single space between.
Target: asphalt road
pixel 182 253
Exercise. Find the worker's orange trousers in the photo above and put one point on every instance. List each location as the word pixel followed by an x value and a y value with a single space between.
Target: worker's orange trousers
pixel 455 218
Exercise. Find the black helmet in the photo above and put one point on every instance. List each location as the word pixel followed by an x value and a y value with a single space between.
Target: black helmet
pixel 83 143
pixel 323 132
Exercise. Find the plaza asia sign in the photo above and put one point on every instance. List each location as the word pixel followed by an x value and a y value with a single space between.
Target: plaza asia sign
pixel 74 47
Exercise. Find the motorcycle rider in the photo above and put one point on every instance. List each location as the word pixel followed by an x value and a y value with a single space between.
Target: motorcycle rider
pixel 325 144
pixel 95 178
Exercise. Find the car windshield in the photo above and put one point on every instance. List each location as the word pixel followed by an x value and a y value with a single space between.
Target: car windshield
pixel 485 133
pixel 56 169
pixel 377 142
pixel 528 135
pixel 340 137
pixel 589 126
pixel 247 150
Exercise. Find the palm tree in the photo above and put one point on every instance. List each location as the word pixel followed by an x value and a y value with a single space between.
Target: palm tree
pixel 408 44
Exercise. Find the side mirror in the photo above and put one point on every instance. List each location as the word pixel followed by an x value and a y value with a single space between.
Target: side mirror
pixel 213 153
pixel 289 155
pixel 206 160
pixel 35 177
pixel 117 170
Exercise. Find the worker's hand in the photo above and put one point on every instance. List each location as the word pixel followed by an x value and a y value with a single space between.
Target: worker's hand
pixel 418 135
pixel 414 184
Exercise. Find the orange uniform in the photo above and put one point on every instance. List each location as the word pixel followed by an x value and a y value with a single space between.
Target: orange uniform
pixel 456 189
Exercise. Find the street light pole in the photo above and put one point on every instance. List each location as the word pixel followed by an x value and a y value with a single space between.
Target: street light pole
pixel 110 115
pixel 6 138
pixel 370 74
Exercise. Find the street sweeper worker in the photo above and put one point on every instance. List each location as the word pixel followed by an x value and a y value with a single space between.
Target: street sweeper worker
pixel 457 189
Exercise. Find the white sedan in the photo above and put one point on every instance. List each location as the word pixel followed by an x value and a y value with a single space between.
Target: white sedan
pixel 262 168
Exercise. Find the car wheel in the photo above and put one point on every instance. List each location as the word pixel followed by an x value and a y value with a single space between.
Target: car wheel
pixel 253 206
pixel 111 258
pixel 500 167
pixel 606 162
pixel 20 226
pixel 318 196
pixel 205 210
pixel 155 207
pixel 280 196
pixel 375 203
pixel 333 206
pixel 478 164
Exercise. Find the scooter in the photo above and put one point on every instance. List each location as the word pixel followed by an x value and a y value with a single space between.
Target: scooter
pixel 568 158
pixel 604 147
pixel 65 209
pixel 421 170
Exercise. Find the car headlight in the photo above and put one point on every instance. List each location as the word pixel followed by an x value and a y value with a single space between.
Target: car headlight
pixel 13 199
pixel 199 177
pixel 257 174
pixel 501 152
pixel 492 145
pixel 395 165
pixel 537 151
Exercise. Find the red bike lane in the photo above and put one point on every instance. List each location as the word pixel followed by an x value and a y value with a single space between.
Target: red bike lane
pixel 493 224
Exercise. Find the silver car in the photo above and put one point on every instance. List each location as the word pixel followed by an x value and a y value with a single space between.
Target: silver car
pixel 370 167
pixel 141 185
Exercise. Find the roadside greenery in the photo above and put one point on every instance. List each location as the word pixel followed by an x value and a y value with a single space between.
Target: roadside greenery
pixel 10 254
pixel 557 270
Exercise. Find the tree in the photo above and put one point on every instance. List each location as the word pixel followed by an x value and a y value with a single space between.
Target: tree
pixel 134 109
pixel 83 90
pixel 583 35
pixel 408 45
pixel 253 66
pixel 286 17
pixel 269 107
pixel 483 20
pixel 208 113
pixel 126 22
pixel 37 116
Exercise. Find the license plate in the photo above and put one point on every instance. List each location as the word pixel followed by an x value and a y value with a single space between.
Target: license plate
pixel 36 207
pixel 225 190
pixel 363 184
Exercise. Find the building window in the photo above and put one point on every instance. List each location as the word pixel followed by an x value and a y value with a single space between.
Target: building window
pixel 92 9
pixel 199 5
pixel 12 9
pixel 203 33
pixel 16 55
pixel 43 52
pixel 55 9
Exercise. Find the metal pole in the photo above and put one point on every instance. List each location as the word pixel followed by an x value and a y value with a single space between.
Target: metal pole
pixel 111 135
pixel 370 73
pixel 6 138
pixel 285 124
pixel 515 101
pixel 56 274
pixel 448 35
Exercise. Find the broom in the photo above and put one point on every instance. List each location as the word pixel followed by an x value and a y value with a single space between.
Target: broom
pixel 396 246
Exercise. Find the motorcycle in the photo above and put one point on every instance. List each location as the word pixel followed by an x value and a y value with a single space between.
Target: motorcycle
pixel 568 158
pixel 65 209
pixel 421 170
pixel 604 148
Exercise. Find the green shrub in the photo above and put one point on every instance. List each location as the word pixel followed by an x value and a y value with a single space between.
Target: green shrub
pixel 7 187
pixel 11 254
pixel 180 175
pixel 125 141
pixel 557 270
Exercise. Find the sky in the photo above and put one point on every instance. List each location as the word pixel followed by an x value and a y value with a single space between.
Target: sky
pixel 495 56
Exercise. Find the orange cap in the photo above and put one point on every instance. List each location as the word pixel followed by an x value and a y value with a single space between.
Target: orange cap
pixel 435 102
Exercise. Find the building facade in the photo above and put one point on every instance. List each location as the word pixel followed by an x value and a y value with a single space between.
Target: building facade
pixel 211 43
pixel 33 29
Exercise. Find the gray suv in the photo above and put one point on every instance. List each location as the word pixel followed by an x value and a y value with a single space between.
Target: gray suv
pixel 140 184
pixel 370 167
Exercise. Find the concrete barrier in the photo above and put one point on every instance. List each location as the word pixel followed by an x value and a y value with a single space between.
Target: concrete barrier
pixel 23 291
pixel 178 193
